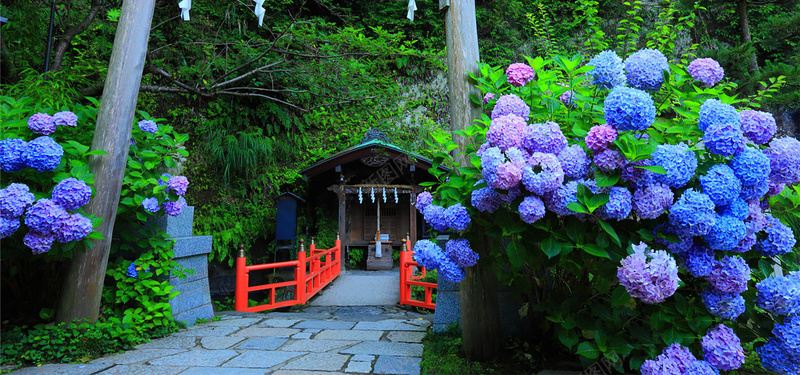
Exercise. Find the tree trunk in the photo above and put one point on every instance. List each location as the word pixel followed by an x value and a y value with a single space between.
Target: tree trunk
pixel 66 40
pixel 480 321
pixel 741 9
pixel 83 287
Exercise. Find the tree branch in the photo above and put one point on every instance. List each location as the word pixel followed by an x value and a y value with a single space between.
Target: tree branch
pixel 153 69
pixel 66 39
pixel 245 75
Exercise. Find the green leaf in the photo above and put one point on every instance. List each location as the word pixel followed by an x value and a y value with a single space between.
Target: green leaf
pixel 653 168
pixel 604 180
pixel 551 247
pixel 577 207
pixel 646 234
pixel 587 350
pixel 97 152
pixel 620 296
pixel 515 254
pixel 611 232
pixel 568 338
pixel 595 250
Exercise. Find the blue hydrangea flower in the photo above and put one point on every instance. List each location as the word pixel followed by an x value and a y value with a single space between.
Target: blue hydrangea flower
pixel 12 154
pixel 699 260
pixel 506 132
pixel 486 200
pixel 164 179
pixel 692 215
pixel 423 200
pixel 652 281
pixel 558 200
pixel 638 177
pixel 754 192
pixel 75 228
pixel 434 216
pixel 788 335
pixel 45 216
pixel 519 74
pixel 428 254
pixel 706 70
pixel 726 233
pixel 546 137
pixel 151 204
pixel 701 368
pixel 531 209
pixel 730 275
pixel 568 98
pixel 132 272
pixel 722 348
pixel 461 253
pixel 784 160
pixel 618 206
pixel 72 194
pixel 43 154
pixel 174 208
pixel 178 184
pixel 775 358
pixel 543 175
pixel 449 271
pixel 780 295
pixel 574 162
pixel 65 118
pixel 757 126
pixel 42 123
pixel 714 111
pixel 600 137
pixel 609 160
pixel 8 226
pixel 629 109
pixel 679 162
pixel 457 217
pixel 645 69
pixel 737 208
pixel 39 243
pixel 608 70
pixel 148 126
pixel 724 139
pixel 14 200
pixel 750 166
pixel 780 238
pixel 675 359
pixel 650 201
pixel 724 305
pixel 746 244
pixel 511 104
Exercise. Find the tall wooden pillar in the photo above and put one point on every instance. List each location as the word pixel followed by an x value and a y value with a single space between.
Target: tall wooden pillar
pixel 412 218
pixel 345 238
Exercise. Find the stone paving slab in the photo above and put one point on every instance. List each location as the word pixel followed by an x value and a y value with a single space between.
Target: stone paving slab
pixel 397 365
pixel 405 336
pixel 215 342
pixel 205 331
pixel 262 343
pixel 261 359
pixel 362 358
pixel 279 322
pixel 333 334
pixel 171 342
pixel 360 367
pixel 143 370
pixel 135 356
pixel 324 324
pixel 296 372
pixel 239 322
pixel 317 346
pixel 224 371
pixel 318 362
pixel 386 348
pixel 63 369
pixel 266 332
pixel 389 325
pixel 199 357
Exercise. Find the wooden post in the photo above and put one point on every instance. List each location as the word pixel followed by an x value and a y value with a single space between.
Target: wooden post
pixel 83 287
pixel 480 319
pixel 342 218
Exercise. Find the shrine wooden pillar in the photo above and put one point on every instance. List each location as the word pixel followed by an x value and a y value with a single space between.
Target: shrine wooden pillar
pixel 412 218
pixel 345 238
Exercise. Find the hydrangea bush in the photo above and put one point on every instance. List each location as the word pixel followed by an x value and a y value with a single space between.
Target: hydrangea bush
pixel 635 218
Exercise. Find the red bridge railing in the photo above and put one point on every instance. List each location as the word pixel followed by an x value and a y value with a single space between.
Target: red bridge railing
pixel 313 270
pixel 408 279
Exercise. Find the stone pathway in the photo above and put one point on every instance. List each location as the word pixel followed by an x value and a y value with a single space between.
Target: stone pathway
pixel 361 288
pixel 317 340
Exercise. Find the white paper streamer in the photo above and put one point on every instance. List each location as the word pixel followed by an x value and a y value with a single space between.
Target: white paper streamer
pixel 384 195
pixel 259 11
pixel 412 6
pixel 360 196
pixel 372 195
pixel 185 6
pixel 395 195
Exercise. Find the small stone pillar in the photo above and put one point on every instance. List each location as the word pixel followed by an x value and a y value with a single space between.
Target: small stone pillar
pixel 191 252
pixel 448 305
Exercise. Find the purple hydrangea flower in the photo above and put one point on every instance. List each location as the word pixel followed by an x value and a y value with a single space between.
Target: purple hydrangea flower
pixel 519 74
pixel 531 209
pixel 679 247
pixel 148 126
pixel 8 226
pixel 784 160
pixel 726 233
pixel 699 260
pixel 568 98
pixel 12 154
pixel 558 200
pixel 423 200
pixel 751 192
pixel 724 139
pixel 746 244
pixel 629 109
pixel 758 127
pixel 457 217
pixel 618 206
pixel 72 194
pixel 510 104
pixel 714 111
pixel 14 200
pixel 638 177
pixel 652 281
pixel 679 162
pixel 780 295
pixel 178 184
pixel 775 189
pixel 724 305
pixel 751 167
pixel 609 160
pixel 506 132
pixel 722 348
pixel 42 123
pixel 45 216
pixel 428 254
pixel 574 162
pixel 461 253
pixel 730 275
pixel 38 243
pixel 486 200
pixel 737 208
pixel 600 137
pixel 174 208
pixel 132 272
pixel 701 368
pixel 774 357
pixel 164 179
pixel 43 154
pixel 608 70
pixel 65 118
pixel 507 175
pixel 543 175
pixel 449 271
pixel 756 216
pixel 74 228
pixel 692 215
pixel 651 201
pixel 434 216
pixel 706 70
pixel 151 204
pixel 546 137
pixel 780 238
pixel 675 359
pixel 645 69
pixel 488 97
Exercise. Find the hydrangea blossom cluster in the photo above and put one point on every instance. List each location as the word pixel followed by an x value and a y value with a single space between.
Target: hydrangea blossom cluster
pixel 713 111
pixel 784 160
pixel 724 139
pixel 722 348
pixel 148 126
pixel 629 109
pixel 706 70
pixel 726 233
pixel 757 126
pixel 178 185
pixel 546 137
pixel 429 255
pixel 42 123
pixel 780 295
pixel 174 208
pixel 651 276
pixel 724 305
pixel 47 221
pixel 692 215
pixel 780 238
pixel 675 359
pixel 459 251
pixel 488 97
pixel 781 354
pixel 519 74
pixel 678 161
pixel 457 217
pixel 506 132
pixel 600 137
pixel 510 104
pixel 645 69
pixel 609 71
pixel 651 201
pixel 72 194
pixel 42 154
pixel 730 275
pixel 65 118
pixel 699 260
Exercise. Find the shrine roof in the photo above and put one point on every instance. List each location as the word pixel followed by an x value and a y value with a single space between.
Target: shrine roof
pixel 369 148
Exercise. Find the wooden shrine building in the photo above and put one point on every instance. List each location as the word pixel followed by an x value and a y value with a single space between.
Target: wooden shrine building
pixel 373 186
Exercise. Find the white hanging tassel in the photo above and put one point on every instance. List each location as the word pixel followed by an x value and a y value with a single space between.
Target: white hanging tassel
pixel 185 6
pixel 259 11
pixel 395 195
pixel 384 195
pixel 412 6
pixel 372 194
pixel 360 196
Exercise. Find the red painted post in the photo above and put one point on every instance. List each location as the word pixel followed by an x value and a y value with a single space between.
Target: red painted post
pixel 242 281
pixel 403 261
pixel 300 275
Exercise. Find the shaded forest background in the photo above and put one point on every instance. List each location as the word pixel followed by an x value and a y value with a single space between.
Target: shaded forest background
pixel 261 103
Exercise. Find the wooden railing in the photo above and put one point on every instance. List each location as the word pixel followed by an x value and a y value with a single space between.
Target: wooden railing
pixel 312 272
pixel 408 279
